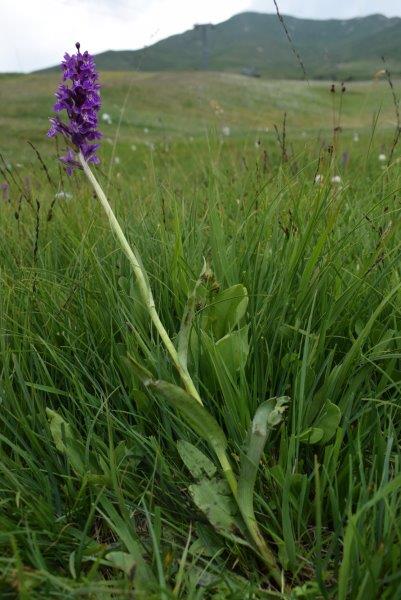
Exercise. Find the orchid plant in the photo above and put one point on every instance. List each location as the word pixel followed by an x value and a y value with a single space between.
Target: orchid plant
pixel 81 101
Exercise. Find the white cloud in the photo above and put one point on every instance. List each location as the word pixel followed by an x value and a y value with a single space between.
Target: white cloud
pixel 327 9
pixel 36 34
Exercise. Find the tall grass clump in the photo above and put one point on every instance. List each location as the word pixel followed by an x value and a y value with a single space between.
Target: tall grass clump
pixel 144 442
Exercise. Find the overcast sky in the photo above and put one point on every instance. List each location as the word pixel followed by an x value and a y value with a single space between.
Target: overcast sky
pixel 36 33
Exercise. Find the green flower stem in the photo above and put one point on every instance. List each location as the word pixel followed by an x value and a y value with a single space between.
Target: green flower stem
pixel 144 286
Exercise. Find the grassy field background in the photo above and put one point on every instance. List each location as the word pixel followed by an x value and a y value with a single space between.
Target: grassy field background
pixel 179 106
pixel 95 501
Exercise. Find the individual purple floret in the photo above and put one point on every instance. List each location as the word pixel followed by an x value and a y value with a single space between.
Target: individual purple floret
pixel 82 102
pixel 5 189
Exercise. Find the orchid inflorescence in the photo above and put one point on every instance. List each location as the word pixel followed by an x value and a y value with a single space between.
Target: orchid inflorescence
pixel 82 102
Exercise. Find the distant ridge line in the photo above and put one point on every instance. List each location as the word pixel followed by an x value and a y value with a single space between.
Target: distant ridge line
pixel 255 44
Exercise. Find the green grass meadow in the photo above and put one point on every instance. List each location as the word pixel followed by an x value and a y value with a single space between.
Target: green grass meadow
pixel 97 497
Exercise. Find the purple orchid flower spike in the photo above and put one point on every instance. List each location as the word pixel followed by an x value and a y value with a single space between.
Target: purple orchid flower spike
pixel 81 100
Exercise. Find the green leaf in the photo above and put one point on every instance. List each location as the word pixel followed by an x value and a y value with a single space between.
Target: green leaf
pixel 268 415
pixel 124 284
pixel 195 461
pixel 71 564
pixel 312 435
pixel 213 497
pixel 196 415
pixel 228 308
pixel 141 400
pixel 66 441
pixel 328 421
pixel 324 426
pixel 140 371
pixel 123 561
pixel 59 428
pixel 222 361
pixel 233 350
pixel 306 591
pixel 47 388
pixel 196 299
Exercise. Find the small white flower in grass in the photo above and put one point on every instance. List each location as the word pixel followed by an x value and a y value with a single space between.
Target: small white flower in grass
pixel 382 157
pixel 107 118
pixel 63 195
pixel 134 148
pixel 356 137
pixel 226 130
pixel 318 178
pixel 117 160
pixel 336 179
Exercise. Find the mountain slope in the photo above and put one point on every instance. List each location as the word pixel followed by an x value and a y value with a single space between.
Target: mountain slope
pixel 329 49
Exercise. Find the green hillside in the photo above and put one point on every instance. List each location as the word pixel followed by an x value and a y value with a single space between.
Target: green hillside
pixel 330 49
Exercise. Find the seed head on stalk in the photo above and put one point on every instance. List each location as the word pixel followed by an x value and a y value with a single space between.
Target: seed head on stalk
pixel 81 100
